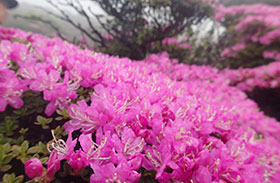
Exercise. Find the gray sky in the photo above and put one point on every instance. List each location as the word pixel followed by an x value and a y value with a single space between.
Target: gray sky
pixel 44 4
pixel 29 8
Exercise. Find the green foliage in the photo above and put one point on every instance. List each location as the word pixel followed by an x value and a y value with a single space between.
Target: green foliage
pixel 147 176
pixel 12 178
pixel 14 65
pixel 84 94
pixel 59 131
pixel 4 139
pixel 8 126
pixel 23 131
pixel 5 157
pixel 33 104
pixel 16 145
pixel 39 151
pixel 63 114
pixel 20 151
pixel 44 122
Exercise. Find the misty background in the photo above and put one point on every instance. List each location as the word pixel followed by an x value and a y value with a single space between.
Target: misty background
pixel 33 8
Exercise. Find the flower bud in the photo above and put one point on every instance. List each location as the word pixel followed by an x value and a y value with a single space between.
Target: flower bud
pixel 33 168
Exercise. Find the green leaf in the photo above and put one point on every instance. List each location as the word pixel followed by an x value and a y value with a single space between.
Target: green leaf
pixel 16 150
pixel 44 159
pixel 48 120
pixel 43 147
pixel 5 168
pixel 19 112
pixel 43 121
pixel 33 150
pixel 36 156
pixel 39 109
pixel 20 140
pixel 7 147
pixel 8 178
pixel 25 146
pixel 147 176
pixel 11 178
pixel 45 127
pixel 19 179
pixel 7 159
pixel 23 130
pixel 63 113
pixel 2 156
pixel 59 118
pixel 24 158
pixel 40 119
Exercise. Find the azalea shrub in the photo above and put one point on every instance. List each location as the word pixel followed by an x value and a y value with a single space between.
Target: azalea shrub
pixel 70 114
pixel 266 76
pixel 252 34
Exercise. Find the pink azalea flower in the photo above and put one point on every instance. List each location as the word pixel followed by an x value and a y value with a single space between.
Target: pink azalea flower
pixel 96 151
pixel 60 151
pixel 110 173
pixel 77 160
pixel 129 144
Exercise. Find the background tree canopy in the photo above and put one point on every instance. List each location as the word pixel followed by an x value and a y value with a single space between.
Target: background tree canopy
pixel 131 28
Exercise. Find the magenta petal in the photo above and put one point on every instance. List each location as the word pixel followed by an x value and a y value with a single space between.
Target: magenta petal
pixel 53 167
pixel 135 163
pixel 16 102
pixel 78 160
pixel 86 142
pixel 202 175
pixel 50 109
pixel 3 104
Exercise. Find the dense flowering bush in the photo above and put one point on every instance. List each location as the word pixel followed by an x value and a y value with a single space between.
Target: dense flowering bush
pixel 254 34
pixel 258 33
pixel 187 123
pixel 267 76
pixel 174 41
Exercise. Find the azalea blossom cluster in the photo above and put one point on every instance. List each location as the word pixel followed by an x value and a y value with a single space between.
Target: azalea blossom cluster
pixel 185 122
pixel 174 41
pixel 245 79
pixel 259 23
pixel 266 76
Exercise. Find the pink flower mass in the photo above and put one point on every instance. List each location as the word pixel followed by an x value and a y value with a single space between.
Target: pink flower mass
pixel 257 26
pixel 261 18
pixel 154 114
